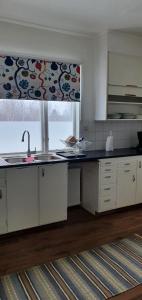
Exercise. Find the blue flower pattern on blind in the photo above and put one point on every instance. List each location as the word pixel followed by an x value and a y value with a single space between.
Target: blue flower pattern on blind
pixel 27 78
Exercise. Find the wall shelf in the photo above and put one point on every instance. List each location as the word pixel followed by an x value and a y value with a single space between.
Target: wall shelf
pixel 124 102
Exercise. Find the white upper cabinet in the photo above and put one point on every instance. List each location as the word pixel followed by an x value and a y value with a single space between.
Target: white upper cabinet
pixel 125 70
pixel 22 198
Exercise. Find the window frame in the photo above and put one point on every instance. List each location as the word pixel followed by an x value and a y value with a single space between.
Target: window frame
pixel 45 127
pixel 76 128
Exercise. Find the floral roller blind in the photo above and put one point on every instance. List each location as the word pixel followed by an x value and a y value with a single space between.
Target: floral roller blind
pixel 27 78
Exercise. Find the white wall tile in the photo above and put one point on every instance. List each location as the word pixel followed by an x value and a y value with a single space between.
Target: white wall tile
pixel 124 133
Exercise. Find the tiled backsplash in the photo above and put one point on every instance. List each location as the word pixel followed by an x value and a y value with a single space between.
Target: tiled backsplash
pixel 124 133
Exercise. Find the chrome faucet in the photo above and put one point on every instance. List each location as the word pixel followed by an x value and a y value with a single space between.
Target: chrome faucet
pixel 28 151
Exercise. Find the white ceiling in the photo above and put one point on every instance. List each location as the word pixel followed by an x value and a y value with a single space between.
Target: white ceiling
pixel 86 16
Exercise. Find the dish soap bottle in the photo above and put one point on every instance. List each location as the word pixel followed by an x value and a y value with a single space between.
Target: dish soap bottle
pixel 109 142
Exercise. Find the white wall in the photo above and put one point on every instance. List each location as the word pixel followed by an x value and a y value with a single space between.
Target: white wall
pixel 51 45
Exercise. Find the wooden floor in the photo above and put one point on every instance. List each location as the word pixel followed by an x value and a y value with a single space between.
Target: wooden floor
pixel 81 231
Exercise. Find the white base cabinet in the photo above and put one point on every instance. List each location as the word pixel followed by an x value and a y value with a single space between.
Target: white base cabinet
pixel 22 198
pixel 53 193
pixel 99 186
pixel 3 204
pixel 112 183
pixel 126 183
pixel 139 181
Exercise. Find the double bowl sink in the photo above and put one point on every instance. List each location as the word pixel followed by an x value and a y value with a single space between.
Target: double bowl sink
pixel 38 157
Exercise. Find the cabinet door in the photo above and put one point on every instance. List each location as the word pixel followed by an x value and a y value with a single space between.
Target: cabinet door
pixel 126 186
pixel 22 198
pixel 125 69
pixel 139 182
pixel 3 210
pixel 53 193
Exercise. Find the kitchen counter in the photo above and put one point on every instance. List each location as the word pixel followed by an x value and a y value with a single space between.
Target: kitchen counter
pixel 92 155
pixel 102 154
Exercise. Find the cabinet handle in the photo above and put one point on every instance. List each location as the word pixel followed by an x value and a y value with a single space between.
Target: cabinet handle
pixel 127 164
pixel 43 172
pixel 108 163
pixel 140 164
pixel 0 194
pixel 132 85
pixel 107 200
pixel 107 176
pixel 134 178
pixel 130 95
pixel 126 171
pixel 107 170
pixel 107 189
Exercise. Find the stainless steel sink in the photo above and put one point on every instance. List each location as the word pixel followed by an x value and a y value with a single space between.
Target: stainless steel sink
pixel 48 157
pixel 38 157
pixel 14 160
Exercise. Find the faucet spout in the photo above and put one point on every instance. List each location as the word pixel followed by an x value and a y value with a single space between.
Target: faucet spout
pixel 23 136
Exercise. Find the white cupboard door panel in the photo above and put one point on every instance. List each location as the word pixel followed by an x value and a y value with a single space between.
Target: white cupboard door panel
pixel 125 70
pixel 53 193
pixel 126 187
pixel 3 210
pixel 22 198
pixel 139 182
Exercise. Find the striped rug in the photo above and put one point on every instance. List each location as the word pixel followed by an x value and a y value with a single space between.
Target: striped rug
pixel 99 273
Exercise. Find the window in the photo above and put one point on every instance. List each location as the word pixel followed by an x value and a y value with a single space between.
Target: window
pixel 63 121
pixel 15 117
pixel 47 122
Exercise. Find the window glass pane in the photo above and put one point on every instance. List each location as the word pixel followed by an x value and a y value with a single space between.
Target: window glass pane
pixel 61 122
pixel 15 117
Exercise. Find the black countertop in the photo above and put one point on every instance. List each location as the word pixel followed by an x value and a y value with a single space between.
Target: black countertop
pixel 102 154
pixel 93 155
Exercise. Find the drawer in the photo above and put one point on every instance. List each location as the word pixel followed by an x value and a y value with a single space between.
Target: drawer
pixel 107 178
pixel 107 203
pixel 107 191
pixel 107 163
pixel 127 164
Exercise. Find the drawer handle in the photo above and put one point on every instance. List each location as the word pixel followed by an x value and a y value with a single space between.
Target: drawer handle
pixel 108 163
pixel 107 189
pixel 107 170
pixel 107 200
pixel 131 85
pixel 43 173
pixel 130 95
pixel 127 164
pixel 107 176
pixel 126 171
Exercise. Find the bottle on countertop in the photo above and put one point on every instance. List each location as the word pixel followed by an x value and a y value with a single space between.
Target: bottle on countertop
pixel 109 142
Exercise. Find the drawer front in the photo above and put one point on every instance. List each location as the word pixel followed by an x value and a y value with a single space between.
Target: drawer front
pixel 107 191
pixel 107 163
pixel 127 165
pixel 107 178
pixel 107 203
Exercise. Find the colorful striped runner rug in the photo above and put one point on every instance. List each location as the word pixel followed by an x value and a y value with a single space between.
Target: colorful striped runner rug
pixel 100 273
